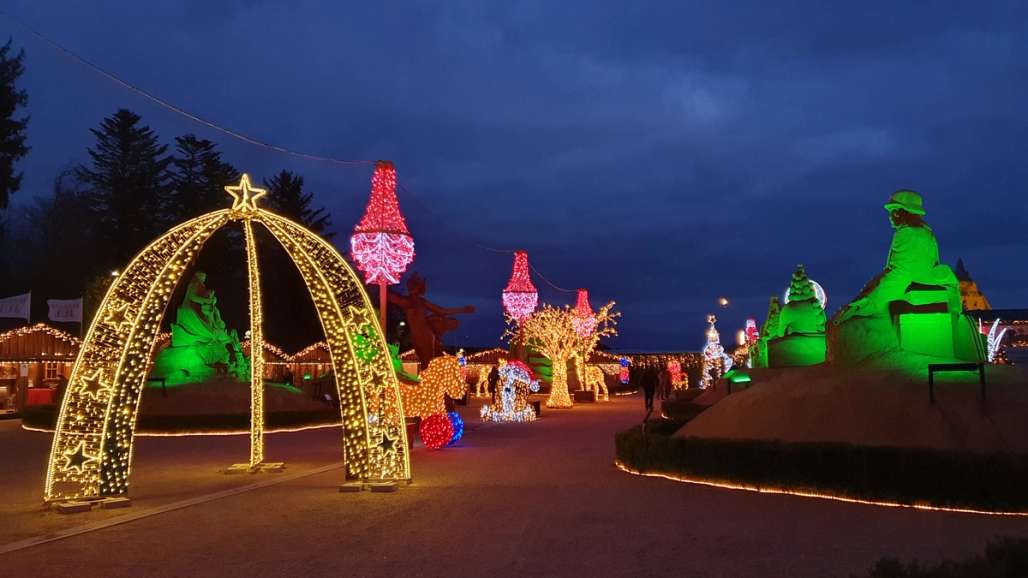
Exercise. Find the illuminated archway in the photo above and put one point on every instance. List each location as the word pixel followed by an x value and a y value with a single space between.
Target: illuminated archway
pixel 92 447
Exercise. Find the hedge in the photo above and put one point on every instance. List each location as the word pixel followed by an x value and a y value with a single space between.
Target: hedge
pixel 1004 558
pixel 992 482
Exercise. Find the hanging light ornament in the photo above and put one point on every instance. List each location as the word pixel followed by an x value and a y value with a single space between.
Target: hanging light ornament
pixel 381 244
pixel 584 319
pixel 520 297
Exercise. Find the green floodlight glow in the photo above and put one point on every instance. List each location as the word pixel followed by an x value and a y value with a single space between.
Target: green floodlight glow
pixel 740 378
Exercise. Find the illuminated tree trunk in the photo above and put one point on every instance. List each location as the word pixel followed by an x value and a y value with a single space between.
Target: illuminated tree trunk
pixel 559 396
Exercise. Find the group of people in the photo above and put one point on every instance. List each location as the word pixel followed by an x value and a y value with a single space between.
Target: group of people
pixel 655 382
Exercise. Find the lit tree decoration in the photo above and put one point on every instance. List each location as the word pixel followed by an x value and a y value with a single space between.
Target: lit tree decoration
pixel 381 244
pixel 551 330
pixel 520 297
pixel 92 445
pixel 715 360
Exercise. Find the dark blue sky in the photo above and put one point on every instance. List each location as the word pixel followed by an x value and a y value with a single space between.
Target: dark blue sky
pixel 660 154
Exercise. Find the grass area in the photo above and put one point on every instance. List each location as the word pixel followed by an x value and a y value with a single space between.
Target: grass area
pixel 1003 558
pixel 992 482
pixel 45 417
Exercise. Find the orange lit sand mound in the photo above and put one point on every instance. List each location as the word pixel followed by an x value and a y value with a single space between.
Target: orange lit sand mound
pixel 872 407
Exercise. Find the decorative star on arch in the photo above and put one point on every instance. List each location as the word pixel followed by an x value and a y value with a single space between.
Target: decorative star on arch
pixel 244 196
pixel 118 317
pixel 78 458
pixel 93 385
pixel 388 444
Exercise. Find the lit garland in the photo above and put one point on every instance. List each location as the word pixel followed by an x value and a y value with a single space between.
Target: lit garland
pixel 799 493
pixel 442 377
pixel 381 244
pixel 92 447
pixel 520 297
pixel 436 431
pixel 516 380
pixel 256 334
pixel 458 427
pixel 41 328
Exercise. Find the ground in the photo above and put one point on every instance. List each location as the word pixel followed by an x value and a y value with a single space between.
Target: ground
pixel 534 499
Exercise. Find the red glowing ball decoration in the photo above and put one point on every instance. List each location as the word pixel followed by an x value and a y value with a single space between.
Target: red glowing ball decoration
pixel 436 431
pixel 520 297
pixel 381 244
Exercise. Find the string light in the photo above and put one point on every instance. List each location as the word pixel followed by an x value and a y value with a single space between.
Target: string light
pixel 381 244
pixel 436 431
pixel 41 328
pixel 520 297
pixel 552 331
pixel 256 326
pixel 442 377
pixel 584 320
pixel 594 381
pixel 799 493
pixel 623 373
pixel 92 447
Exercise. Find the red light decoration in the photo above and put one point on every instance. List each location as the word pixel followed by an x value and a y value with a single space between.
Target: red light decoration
pixel 381 244
pixel 584 320
pixel 520 297
pixel 436 431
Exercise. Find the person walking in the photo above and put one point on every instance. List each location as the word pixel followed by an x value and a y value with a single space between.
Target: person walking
pixel 664 384
pixel 649 385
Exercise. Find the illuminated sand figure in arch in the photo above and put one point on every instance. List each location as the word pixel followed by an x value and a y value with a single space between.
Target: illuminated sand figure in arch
pixel 92 447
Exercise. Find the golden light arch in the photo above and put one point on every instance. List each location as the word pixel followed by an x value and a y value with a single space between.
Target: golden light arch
pixel 92 447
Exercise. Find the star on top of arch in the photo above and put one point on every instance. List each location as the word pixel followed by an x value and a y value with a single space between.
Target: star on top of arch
pixel 244 196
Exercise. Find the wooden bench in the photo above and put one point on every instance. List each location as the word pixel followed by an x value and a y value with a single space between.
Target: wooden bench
pixel 970 366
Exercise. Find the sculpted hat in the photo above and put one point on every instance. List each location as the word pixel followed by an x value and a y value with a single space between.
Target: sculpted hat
pixel 907 200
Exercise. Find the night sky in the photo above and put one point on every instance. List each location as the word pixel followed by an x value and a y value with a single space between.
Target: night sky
pixel 659 154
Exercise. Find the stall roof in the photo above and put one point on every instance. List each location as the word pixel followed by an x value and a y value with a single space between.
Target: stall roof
pixel 38 342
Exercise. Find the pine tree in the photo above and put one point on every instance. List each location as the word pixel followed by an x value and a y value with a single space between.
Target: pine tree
pixel 126 186
pixel 199 178
pixel 12 130
pixel 800 289
pixel 286 197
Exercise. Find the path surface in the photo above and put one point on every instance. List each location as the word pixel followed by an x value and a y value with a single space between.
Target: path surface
pixel 539 499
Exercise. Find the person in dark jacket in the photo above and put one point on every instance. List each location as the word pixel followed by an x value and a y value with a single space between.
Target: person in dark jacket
pixel 494 379
pixel 649 385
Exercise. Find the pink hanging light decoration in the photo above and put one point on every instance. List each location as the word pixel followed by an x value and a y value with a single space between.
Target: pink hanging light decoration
pixel 520 297
pixel 584 319
pixel 381 244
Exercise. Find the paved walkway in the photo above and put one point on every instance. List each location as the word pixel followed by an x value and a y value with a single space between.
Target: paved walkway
pixel 539 499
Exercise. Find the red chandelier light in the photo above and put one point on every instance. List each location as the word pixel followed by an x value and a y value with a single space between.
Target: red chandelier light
pixel 520 297
pixel 583 320
pixel 381 244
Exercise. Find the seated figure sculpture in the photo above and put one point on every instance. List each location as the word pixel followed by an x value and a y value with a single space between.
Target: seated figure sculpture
pixel 912 307
pixel 201 346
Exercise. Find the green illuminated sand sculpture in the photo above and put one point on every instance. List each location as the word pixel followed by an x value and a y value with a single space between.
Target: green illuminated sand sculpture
pixel 794 334
pixel 910 309
pixel 201 346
